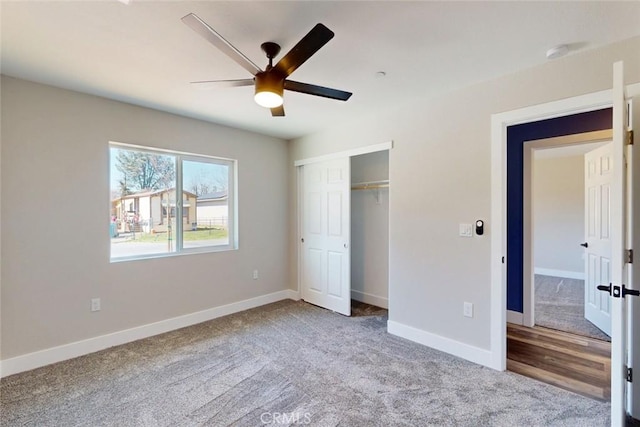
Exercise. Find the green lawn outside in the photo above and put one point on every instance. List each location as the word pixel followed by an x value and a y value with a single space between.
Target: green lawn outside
pixel 200 234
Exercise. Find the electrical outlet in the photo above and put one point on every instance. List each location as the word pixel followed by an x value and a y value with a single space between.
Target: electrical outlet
pixel 95 304
pixel 255 274
pixel 468 309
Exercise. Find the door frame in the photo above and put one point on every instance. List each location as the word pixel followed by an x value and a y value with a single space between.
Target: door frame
pixel 300 193
pixel 528 304
pixel 499 124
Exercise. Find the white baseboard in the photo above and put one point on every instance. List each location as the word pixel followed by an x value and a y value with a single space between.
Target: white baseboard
pixel 294 295
pixel 48 356
pixel 579 275
pixel 456 348
pixel 370 298
pixel 515 317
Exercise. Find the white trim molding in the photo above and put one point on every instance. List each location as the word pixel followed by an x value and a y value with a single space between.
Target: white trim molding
pixel 293 294
pixel 499 124
pixel 48 356
pixel 349 153
pixel 579 275
pixel 367 298
pixel 447 345
pixel 515 317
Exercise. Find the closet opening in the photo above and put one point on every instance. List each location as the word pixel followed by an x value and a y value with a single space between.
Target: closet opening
pixel 369 232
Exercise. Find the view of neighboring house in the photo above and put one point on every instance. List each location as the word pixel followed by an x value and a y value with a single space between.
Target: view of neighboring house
pixel 152 210
pixel 212 209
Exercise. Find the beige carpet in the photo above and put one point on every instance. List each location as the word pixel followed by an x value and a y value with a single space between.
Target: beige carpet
pixel 288 363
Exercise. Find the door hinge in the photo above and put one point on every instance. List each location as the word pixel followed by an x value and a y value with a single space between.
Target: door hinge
pixel 628 256
pixel 629 138
pixel 630 375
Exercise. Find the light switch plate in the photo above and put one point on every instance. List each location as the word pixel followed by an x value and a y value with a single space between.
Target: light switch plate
pixel 466 230
pixel 468 309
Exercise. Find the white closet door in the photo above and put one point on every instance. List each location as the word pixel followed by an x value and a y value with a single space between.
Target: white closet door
pixel 325 240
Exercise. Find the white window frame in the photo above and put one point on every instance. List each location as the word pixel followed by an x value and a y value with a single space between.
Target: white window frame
pixel 232 197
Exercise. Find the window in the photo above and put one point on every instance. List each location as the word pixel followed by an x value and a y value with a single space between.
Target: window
pixel 165 202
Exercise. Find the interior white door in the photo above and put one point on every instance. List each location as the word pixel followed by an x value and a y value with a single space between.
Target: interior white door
pixel 633 236
pixel 619 273
pixel 598 173
pixel 325 240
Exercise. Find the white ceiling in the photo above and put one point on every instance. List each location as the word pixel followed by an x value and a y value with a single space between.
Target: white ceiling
pixel 143 54
pixel 572 150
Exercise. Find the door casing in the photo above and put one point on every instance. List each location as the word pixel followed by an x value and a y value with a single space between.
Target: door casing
pixel 499 124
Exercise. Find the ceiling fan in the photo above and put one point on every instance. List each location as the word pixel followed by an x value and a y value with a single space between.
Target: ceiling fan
pixel 270 83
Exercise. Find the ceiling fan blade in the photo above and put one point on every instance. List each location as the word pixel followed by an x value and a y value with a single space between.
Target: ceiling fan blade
pixel 325 92
pixel 212 36
pixel 278 111
pixel 214 84
pixel 310 44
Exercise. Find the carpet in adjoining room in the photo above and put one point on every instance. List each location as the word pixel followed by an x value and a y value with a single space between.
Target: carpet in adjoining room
pixel 559 304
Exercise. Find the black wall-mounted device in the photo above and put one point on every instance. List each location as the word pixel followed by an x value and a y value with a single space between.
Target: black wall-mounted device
pixel 479 227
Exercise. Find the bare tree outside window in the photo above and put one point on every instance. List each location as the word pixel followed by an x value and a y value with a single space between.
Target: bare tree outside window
pixel 144 171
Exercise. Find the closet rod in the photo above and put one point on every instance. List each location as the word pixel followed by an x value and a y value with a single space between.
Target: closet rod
pixel 370 185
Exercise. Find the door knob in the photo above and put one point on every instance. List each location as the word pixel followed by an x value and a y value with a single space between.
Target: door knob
pixel 617 291
pixel 625 291
pixel 584 245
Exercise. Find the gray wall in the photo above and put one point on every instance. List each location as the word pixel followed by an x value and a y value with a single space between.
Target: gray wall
pixel 440 168
pixel 55 201
pixel 370 230
pixel 558 214
pixel 55 210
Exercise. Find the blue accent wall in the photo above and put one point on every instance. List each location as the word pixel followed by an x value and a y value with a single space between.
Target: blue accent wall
pixel 516 136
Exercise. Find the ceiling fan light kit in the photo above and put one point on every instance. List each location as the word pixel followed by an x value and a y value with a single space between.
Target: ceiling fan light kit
pixel 269 90
pixel 271 83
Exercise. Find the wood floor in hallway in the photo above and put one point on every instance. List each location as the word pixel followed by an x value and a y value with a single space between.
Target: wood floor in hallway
pixel 575 363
